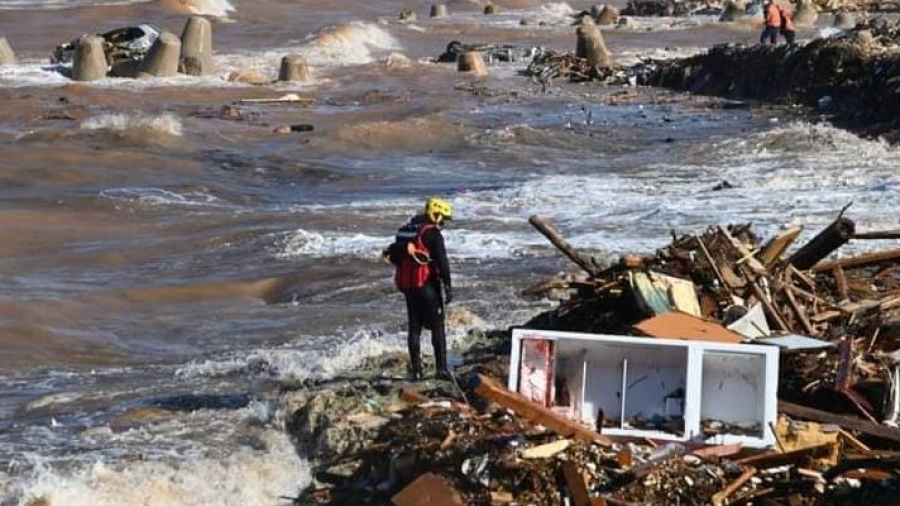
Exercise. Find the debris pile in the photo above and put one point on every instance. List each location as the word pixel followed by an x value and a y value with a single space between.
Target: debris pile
pixel 849 77
pixel 669 8
pixel 475 442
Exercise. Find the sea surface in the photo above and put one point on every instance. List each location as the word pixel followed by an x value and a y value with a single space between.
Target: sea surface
pixel 161 267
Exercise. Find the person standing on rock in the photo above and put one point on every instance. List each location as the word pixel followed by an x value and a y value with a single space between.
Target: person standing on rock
pixel 422 269
pixel 772 16
pixel 787 25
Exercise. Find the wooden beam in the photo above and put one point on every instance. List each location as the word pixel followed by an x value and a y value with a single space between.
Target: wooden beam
pixel 555 238
pixel 535 413
pixel 846 422
pixel 840 281
pixel 883 234
pixel 864 260
pixel 575 480
pixel 829 239
pixel 776 458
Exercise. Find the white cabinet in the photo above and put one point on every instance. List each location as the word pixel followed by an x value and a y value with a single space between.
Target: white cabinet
pixel 645 387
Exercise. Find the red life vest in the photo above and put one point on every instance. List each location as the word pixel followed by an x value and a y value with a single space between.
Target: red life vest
pixel 411 273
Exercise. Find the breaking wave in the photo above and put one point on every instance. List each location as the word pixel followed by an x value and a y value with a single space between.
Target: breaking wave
pixel 215 8
pixel 164 123
pixel 349 43
pixel 246 476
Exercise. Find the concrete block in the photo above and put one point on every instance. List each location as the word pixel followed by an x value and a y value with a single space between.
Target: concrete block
pixel 438 10
pixel 7 55
pixel 197 46
pixel 472 61
pixel 294 68
pixel 162 59
pixel 90 60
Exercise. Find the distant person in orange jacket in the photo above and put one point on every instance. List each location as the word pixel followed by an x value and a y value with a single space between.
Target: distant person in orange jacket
pixel 787 25
pixel 772 15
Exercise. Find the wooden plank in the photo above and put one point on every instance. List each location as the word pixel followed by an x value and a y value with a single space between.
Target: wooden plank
pixel 772 251
pixel 776 458
pixel 825 316
pixel 427 490
pixel 767 305
pixel 535 413
pixel 846 422
pixel 719 498
pixel 799 313
pixel 840 281
pixel 746 255
pixel 865 260
pixel 575 481
pixel 675 325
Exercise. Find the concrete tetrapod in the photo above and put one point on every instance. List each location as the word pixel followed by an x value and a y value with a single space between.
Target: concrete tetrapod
pixel 734 10
pixel 294 68
pixel 844 20
pixel 591 46
pixel 7 55
pixel 806 14
pixel 90 61
pixel 472 61
pixel 608 16
pixel 196 46
pixel 162 60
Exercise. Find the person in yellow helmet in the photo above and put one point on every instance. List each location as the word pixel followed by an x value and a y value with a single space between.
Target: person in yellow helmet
pixel 422 275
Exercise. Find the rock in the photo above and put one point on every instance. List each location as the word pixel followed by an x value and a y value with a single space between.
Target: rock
pixel 408 15
pixel 491 9
pixel 248 77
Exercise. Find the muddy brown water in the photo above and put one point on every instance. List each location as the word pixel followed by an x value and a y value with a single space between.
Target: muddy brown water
pixel 158 256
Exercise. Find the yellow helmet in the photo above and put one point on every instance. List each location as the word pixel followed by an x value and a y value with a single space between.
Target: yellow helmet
pixel 438 209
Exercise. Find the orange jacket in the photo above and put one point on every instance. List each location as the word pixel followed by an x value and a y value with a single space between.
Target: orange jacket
pixel 787 20
pixel 773 16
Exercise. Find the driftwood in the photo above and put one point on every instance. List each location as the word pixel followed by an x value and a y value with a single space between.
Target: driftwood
pixel 557 240
pixel 831 238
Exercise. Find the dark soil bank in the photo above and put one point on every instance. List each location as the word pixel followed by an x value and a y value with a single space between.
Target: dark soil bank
pixel 853 80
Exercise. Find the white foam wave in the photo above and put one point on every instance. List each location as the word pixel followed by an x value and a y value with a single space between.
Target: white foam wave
pixel 246 476
pixel 62 4
pixel 164 123
pixel 161 197
pixel 215 8
pixel 349 43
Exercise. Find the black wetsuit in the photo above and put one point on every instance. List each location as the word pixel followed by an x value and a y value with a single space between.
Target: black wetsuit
pixel 425 306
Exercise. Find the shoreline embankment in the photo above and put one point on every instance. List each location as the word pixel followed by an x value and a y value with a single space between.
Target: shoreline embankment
pixel 852 80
